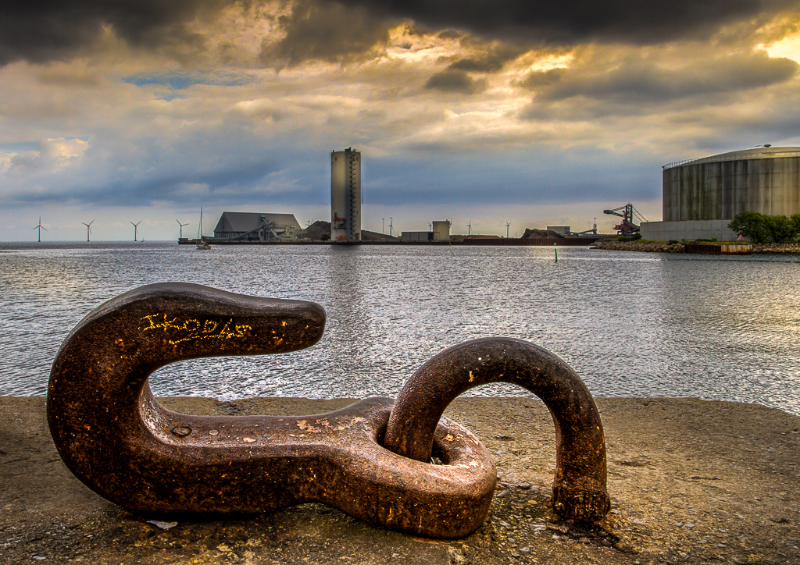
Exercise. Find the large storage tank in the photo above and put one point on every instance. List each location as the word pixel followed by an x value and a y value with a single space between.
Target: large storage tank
pixel 764 180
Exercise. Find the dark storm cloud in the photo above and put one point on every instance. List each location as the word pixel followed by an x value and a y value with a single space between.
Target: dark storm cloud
pixel 326 31
pixel 454 81
pixel 537 21
pixel 538 79
pixel 489 62
pixel 644 82
pixel 450 34
pixel 43 30
pixel 337 31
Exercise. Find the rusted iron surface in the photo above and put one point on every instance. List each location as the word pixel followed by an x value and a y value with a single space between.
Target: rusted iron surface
pixel 117 439
pixel 719 249
pixel 579 487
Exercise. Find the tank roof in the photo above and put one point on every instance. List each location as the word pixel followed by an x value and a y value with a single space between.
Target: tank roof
pixel 741 154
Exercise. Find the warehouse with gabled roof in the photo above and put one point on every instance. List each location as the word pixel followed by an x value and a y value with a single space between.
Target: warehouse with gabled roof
pixel 256 226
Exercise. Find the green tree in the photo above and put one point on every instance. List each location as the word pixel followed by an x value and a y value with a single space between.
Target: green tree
pixel 751 225
pixel 760 228
pixel 795 219
pixel 781 228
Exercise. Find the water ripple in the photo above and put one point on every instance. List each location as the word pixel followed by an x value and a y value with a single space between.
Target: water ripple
pixel 631 324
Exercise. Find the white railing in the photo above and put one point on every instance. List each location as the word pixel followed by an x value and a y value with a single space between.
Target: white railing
pixel 731 157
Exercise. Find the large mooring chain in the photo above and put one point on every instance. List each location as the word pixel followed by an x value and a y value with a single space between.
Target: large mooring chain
pixel 579 487
pixel 116 438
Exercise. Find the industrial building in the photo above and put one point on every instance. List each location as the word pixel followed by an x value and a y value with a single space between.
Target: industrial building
pixel 416 236
pixel 346 195
pixel 440 232
pixel 701 196
pixel 254 226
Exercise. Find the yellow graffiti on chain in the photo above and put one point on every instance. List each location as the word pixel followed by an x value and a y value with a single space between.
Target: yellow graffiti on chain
pixel 195 329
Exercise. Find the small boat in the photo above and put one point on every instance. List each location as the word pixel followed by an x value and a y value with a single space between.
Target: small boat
pixel 202 244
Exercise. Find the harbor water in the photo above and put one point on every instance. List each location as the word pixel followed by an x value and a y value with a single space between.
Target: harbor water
pixel 631 324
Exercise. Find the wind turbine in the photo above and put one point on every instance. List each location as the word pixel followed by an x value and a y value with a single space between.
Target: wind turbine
pixel 507 224
pixel 135 229
pixel 181 225
pixel 469 228
pixel 40 227
pixel 88 229
pixel 390 226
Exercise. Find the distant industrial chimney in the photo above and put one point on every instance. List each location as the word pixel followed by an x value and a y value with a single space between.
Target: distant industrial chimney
pixel 346 195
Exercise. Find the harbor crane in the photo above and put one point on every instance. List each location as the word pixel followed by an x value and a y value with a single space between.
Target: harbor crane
pixel 628 213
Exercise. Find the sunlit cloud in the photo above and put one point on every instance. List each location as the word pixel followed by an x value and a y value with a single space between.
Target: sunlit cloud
pixel 233 105
pixel 787 48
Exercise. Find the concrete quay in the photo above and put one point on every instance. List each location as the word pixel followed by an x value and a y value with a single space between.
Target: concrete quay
pixel 691 481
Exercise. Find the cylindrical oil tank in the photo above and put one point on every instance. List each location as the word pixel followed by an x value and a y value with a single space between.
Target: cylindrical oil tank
pixel 764 180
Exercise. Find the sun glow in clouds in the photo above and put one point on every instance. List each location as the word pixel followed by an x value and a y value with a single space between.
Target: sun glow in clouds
pixel 788 48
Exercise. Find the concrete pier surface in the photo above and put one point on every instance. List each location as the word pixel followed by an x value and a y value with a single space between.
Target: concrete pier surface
pixel 691 481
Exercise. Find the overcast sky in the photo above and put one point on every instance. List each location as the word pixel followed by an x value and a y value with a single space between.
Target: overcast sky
pixel 516 111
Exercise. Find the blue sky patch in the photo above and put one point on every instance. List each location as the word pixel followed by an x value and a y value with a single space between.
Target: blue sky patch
pixel 21 147
pixel 183 80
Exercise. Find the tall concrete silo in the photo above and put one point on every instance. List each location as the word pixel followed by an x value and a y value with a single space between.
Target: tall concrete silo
pixel 346 195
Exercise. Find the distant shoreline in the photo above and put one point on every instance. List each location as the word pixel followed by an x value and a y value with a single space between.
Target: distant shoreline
pixel 498 242
pixel 665 247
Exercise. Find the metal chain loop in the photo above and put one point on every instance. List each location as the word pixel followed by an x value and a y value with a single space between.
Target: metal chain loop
pixel 116 438
pixel 579 487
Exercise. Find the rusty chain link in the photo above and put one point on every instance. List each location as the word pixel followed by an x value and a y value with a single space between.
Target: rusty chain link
pixel 119 441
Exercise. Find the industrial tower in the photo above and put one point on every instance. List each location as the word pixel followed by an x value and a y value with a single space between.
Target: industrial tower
pixel 346 195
